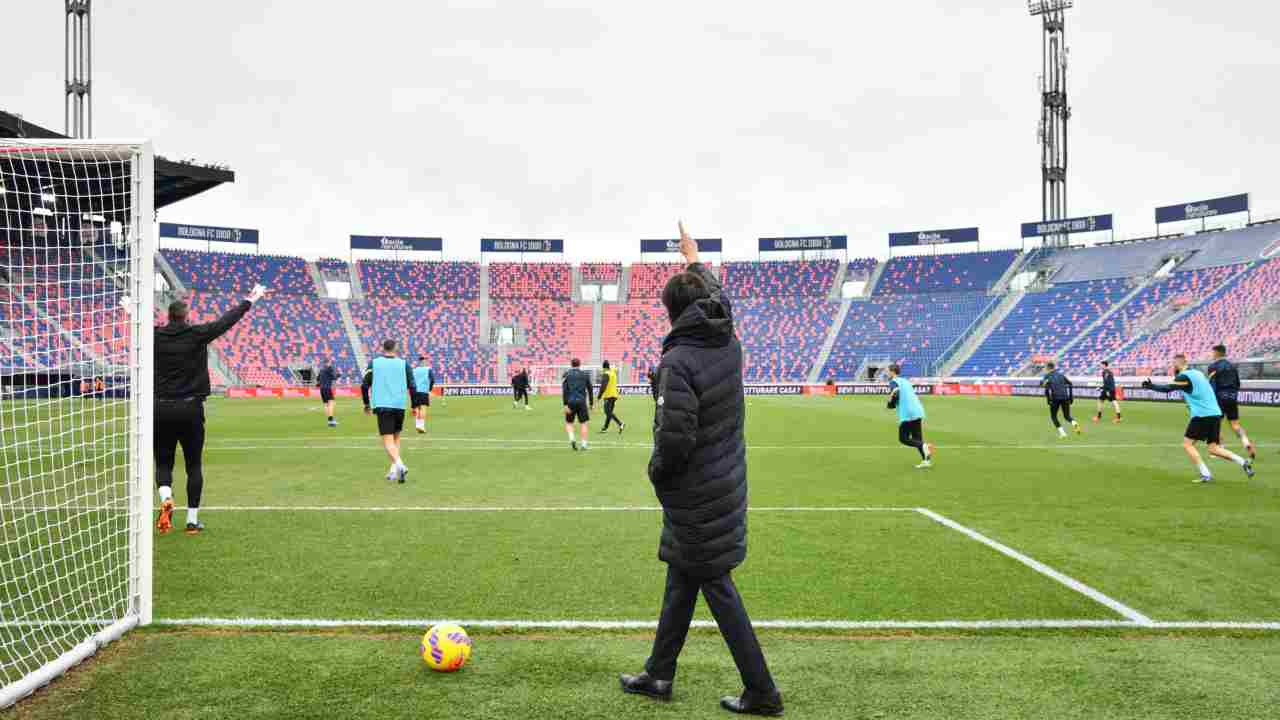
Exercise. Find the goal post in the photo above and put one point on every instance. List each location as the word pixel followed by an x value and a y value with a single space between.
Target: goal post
pixel 76 322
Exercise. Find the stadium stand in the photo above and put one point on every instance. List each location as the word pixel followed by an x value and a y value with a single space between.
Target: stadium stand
pixel 860 268
pixel 963 272
pixel 282 330
pixel 811 278
pixel 552 281
pixel 600 272
pixel 237 273
pixel 912 329
pixel 781 336
pixel 402 278
pixel 648 279
pixel 333 268
pixel 633 332
pixel 557 330
pixel 1127 322
pixel 445 331
pixel 1041 323
pixel 1223 317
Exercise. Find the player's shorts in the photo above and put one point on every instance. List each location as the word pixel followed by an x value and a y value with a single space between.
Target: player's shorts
pixel 576 410
pixel 390 421
pixel 1230 409
pixel 1206 429
pixel 422 400
pixel 326 395
pixel 1107 395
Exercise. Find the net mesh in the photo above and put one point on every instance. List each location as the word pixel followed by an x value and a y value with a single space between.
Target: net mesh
pixel 69 423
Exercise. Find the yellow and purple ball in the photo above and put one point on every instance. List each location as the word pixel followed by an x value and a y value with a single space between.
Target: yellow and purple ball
pixel 446 648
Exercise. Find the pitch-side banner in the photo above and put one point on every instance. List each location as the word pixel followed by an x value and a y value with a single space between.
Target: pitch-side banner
pixel 209 233
pixel 672 245
pixel 933 237
pixel 1088 223
pixel 396 242
pixel 517 245
pixel 812 242
pixel 1203 208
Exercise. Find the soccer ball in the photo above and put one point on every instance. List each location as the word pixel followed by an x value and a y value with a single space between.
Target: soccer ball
pixel 446 648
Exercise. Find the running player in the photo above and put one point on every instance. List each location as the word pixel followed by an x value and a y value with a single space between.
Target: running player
pixel 1206 417
pixel 1226 385
pixel 1108 393
pixel 910 415
pixel 326 379
pixel 520 389
pixel 424 379
pixel 609 394
pixel 578 396
pixel 1060 393
pixel 391 381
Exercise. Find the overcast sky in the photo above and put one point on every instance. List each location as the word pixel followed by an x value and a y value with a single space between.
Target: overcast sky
pixel 602 122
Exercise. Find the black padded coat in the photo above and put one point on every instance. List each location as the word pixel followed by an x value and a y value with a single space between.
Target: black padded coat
pixel 699 463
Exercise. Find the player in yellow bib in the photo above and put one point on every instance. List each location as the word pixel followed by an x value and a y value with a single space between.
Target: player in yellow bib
pixel 609 394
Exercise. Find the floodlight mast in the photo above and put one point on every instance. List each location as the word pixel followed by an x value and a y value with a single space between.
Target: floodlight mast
pixel 1055 110
pixel 78 63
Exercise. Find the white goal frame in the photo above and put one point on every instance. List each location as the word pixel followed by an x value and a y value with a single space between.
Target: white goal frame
pixel 552 375
pixel 42 628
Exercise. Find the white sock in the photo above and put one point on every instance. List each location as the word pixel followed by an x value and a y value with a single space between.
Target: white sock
pixel 192 514
pixel 570 435
pixel 166 493
pixel 1234 457
pixel 1204 470
pixel 1244 438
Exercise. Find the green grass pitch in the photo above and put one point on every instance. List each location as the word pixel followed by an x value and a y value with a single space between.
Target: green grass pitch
pixel 878 610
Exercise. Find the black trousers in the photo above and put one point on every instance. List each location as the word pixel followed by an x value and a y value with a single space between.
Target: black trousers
pixel 911 434
pixel 519 393
pixel 726 606
pixel 180 422
pixel 1064 406
pixel 608 413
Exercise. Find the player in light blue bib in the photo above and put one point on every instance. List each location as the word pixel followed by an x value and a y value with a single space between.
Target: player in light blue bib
pixel 910 415
pixel 1206 417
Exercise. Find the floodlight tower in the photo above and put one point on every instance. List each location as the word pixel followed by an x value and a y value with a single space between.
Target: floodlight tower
pixel 1055 110
pixel 77 100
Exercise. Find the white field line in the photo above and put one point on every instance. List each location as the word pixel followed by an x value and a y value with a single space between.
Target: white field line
pixel 474 508
pixel 561 445
pixel 250 622
pixel 771 624
pixel 1095 595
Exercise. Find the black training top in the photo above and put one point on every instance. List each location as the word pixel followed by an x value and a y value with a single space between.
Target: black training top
pixel 577 387
pixel 1108 380
pixel 1056 386
pixel 182 355
pixel 1224 378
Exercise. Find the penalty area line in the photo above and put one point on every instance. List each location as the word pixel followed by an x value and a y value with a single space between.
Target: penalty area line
pixel 1089 592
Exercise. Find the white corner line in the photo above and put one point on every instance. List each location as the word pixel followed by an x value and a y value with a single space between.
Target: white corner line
pixel 1089 592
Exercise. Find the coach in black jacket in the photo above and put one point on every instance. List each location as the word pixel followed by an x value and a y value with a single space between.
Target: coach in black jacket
pixel 699 473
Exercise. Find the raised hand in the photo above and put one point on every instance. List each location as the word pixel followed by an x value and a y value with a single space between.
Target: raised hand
pixel 688 246
pixel 257 293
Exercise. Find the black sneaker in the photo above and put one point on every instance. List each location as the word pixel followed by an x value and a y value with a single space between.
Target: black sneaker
pixel 621 428
pixel 194 528
pixel 1248 468
pixel 573 444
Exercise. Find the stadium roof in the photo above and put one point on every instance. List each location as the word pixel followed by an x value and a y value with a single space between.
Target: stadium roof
pixel 174 181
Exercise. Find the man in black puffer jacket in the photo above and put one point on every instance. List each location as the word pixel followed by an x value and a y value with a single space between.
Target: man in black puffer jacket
pixel 699 473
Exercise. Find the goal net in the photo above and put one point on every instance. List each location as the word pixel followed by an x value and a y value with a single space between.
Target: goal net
pixel 546 375
pixel 76 312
